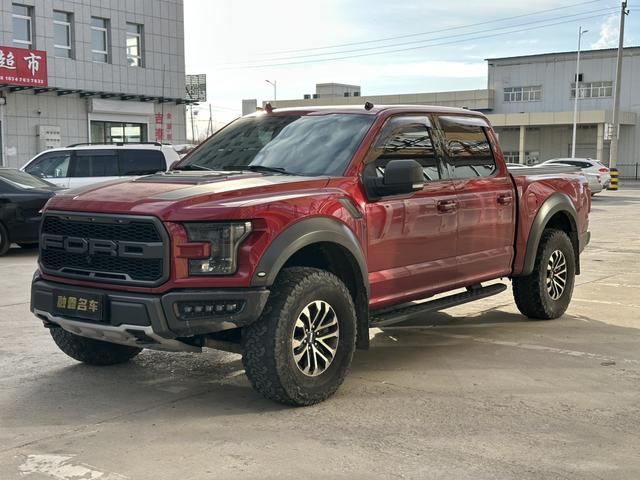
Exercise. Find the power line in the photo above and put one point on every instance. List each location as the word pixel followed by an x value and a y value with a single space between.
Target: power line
pixel 320 60
pixel 311 55
pixel 432 31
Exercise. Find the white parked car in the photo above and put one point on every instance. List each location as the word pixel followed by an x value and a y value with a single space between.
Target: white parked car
pixel 594 179
pixel 587 165
pixel 85 164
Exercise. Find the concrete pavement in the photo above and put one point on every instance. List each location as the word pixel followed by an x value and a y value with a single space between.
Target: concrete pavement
pixel 476 392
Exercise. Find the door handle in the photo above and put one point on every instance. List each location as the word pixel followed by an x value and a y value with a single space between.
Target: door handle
pixel 505 199
pixel 447 206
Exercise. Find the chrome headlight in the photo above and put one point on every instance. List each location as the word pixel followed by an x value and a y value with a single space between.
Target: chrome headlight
pixel 224 239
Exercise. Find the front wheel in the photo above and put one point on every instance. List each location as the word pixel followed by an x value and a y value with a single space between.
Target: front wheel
pixel 545 293
pixel 5 243
pixel 90 351
pixel 300 349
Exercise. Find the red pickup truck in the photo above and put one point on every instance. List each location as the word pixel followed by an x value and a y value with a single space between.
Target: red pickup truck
pixel 289 233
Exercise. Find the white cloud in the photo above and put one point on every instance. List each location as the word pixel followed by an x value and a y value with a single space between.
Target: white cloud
pixel 608 33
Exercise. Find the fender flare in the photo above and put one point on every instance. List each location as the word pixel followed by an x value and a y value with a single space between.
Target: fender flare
pixel 300 235
pixel 557 202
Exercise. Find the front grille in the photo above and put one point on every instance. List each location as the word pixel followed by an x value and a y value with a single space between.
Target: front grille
pixel 111 249
pixel 128 232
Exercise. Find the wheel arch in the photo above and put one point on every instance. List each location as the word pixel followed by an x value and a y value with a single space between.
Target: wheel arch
pixel 324 243
pixel 556 212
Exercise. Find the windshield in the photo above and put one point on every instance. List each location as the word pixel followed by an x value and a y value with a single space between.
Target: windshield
pixel 298 144
pixel 23 180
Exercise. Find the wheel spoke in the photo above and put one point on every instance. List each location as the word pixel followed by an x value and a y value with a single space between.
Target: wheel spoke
pixel 315 338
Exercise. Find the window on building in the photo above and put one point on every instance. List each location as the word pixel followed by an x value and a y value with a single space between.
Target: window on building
pixel 134 45
pixel 593 90
pixel 100 40
pixel 467 146
pixel 62 34
pixel 407 138
pixel 523 94
pixel 22 26
pixel 118 132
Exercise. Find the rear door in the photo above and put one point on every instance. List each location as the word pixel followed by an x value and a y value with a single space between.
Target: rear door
pixel 93 166
pixel 411 239
pixel 485 199
pixel 54 167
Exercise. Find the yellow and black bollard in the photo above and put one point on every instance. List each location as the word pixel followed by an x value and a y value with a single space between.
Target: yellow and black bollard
pixel 614 179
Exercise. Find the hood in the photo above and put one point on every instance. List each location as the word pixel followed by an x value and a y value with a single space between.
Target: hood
pixel 179 194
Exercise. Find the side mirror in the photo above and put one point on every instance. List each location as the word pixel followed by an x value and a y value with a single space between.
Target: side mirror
pixel 401 177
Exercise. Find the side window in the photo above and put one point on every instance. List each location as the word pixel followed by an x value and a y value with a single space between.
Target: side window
pixel 51 165
pixel 467 148
pixel 141 162
pixel 407 138
pixel 96 163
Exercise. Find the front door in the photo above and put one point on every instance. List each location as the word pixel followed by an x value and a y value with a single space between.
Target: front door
pixel 486 200
pixel 411 239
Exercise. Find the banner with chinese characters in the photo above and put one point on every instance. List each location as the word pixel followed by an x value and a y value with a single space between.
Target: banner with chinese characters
pixel 164 127
pixel 20 66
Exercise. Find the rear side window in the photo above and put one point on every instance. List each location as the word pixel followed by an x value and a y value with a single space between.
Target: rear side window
pixel 50 165
pixel 407 138
pixel 96 163
pixel 141 162
pixel 468 148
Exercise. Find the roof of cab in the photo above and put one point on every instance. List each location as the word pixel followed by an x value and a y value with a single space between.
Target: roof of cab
pixel 375 110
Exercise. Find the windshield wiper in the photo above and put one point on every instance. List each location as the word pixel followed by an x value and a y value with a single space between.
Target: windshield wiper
pixel 259 168
pixel 193 166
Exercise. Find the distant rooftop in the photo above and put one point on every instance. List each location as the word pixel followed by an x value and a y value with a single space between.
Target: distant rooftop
pixel 573 52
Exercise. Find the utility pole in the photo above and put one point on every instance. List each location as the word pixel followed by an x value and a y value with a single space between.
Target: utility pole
pixel 210 126
pixel 193 130
pixel 577 95
pixel 615 134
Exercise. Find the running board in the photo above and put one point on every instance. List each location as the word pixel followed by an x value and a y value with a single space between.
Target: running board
pixel 402 314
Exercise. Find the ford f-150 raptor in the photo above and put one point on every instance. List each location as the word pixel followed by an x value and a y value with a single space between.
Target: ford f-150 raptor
pixel 289 233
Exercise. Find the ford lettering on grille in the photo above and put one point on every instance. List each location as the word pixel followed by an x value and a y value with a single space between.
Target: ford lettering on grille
pixel 125 250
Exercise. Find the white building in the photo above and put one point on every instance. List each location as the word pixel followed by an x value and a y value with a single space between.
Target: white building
pixel 529 101
pixel 534 99
pixel 107 71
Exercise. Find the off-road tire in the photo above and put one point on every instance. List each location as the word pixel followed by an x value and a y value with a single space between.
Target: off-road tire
pixel 530 292
pixel 5 243
pixel 267 344
pixel 90 351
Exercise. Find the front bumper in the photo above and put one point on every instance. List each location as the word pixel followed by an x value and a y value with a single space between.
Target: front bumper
pixel 150 321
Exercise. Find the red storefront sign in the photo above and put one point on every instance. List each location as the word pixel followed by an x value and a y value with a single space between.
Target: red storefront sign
pixel 20 66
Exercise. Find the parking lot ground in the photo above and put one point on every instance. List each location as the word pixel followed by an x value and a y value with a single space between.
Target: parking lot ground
pixel 476 392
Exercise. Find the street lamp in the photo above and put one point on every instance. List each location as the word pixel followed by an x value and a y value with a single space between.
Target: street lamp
pixel 575 101
pixel 273 84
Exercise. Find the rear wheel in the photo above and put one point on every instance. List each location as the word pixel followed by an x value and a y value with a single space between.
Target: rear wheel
pixel 5 243
pixel 546 293
pixel 299 351
pixel 90 351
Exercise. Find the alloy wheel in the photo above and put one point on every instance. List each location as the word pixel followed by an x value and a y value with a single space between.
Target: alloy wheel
pixel 315 338
pixel 556 274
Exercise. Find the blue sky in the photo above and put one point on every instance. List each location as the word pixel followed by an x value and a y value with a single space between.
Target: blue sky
pixel 231 40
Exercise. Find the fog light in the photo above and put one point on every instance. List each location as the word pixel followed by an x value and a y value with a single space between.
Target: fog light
pixel 203 310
